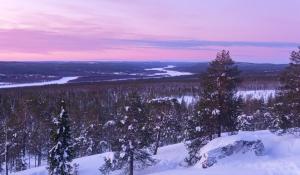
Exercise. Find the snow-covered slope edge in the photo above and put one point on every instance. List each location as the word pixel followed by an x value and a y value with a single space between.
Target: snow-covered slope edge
pixel 281 157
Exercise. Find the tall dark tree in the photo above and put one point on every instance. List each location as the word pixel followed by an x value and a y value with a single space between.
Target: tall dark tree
pixel 135 138
pixel 62 153
pixel 287 106
pixel 224 77
pixel 218 106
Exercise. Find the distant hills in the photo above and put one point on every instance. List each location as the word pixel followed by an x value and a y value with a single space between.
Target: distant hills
pixel 97 71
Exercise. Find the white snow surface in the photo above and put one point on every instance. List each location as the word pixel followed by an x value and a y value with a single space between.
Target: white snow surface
pixel 63 80
pixel 165 71
pixel 188 99
pixel 282 157
pixel 244 94
pixel 257 94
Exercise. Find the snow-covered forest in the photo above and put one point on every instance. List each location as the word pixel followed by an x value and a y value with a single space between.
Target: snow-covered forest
pixel 212 127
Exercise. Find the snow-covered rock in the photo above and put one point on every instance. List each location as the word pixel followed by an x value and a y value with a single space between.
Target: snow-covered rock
pixel 211 157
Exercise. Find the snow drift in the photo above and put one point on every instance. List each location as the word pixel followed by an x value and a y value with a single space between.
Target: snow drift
pixel 247 153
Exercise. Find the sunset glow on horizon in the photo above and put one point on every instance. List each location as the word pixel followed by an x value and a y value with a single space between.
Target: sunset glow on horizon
pixel 148 30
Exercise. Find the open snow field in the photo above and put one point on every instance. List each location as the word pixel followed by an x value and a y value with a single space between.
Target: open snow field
pixel 281 157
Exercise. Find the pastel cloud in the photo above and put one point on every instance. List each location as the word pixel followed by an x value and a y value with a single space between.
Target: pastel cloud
pixel 148 30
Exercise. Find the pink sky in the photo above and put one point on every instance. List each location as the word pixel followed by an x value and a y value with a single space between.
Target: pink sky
pixel 148 30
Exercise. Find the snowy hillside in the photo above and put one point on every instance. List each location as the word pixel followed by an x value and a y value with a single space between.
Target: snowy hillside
pixel 278 155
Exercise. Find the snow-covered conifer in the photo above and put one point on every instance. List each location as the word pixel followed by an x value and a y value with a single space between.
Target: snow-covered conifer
pixel 131 148
pixel 287 106
pixel 218 106
pixel 62 153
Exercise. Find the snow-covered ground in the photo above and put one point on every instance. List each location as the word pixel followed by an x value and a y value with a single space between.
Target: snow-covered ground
pixel 188 99
pixel 257 94
pixel 165 71
pixel 281 157
pixel 60 81
pixel 251 94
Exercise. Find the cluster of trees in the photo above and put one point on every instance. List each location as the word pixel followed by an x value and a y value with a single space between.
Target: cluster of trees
pixel 144 127
pixel 134 121
pixel 219 110
pixel 27 122
pixel 287 103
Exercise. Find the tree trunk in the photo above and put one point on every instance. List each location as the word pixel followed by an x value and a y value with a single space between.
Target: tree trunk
pixel 29 160
pixel 219 131
pixel 39 158
pixel 159 134
pixel 6 151
pixel 210 137
pixel 131 163
pixel 220 125
pixel 157 142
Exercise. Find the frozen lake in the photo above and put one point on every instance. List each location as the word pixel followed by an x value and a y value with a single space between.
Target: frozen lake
pixel 63 80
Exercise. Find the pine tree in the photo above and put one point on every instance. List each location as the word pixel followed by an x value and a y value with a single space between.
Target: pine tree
pixel 223 74
pixel 62 153
pixel 201 126
pixel 135 138
pixel 218 106
pixel 287 105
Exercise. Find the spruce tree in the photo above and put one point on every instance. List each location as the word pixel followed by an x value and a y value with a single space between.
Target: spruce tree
pixel 287 105
pixel 62 153
pixel 131 148
pixel 218 106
